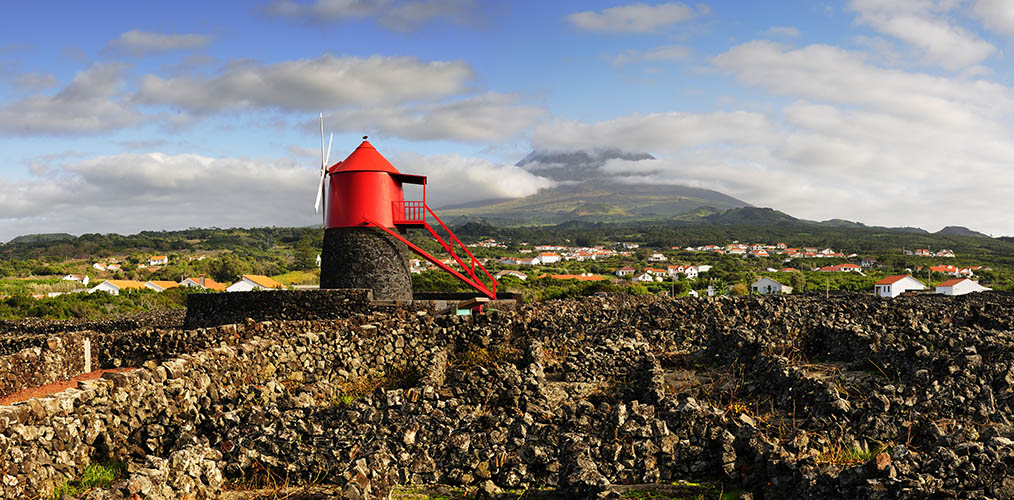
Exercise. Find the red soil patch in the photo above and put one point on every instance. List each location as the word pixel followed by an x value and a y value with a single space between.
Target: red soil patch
pixel 55 387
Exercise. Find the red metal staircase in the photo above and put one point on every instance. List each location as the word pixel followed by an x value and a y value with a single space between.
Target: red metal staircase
pixel 413 214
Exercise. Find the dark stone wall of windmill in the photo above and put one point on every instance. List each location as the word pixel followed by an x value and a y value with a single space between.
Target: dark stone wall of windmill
pixel 366 258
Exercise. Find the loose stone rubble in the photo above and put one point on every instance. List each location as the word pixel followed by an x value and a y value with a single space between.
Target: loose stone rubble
pixel 778 397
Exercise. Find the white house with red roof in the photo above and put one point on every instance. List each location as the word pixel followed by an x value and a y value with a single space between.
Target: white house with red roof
pixel 549 257
pixel 960 286
pixel 657 257
pixel 158 260
pixel 83 278
pixel 768 286
pixel 893 286
pixel 251 282
pixel 625 271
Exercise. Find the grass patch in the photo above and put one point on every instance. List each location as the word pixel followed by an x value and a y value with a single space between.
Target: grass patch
pixel 486 357
pixel 98 475
pixel 843 456
pixel 298 278
pixel 352 390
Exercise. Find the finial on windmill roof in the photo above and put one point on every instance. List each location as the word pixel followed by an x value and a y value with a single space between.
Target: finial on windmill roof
pixel 364 137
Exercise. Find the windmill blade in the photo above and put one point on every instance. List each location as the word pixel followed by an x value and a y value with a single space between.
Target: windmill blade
pixel 320 193
pixel 322 161
pixel 329 141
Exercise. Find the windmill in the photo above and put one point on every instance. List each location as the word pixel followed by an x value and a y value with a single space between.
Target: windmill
pixel 324 159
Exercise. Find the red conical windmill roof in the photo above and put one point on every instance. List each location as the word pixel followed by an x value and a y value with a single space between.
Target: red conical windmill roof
pixel 366 158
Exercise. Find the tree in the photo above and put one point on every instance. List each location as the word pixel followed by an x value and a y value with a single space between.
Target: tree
pixel 306 251
pixel 228 268
pixel 797 281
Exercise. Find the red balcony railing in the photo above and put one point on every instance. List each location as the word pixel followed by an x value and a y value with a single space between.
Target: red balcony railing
pixel 409 212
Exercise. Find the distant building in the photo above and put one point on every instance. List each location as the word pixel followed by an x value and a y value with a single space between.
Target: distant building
pixel 960 286
pixel 657 257
pixel 579 277
pixel 158 260
pixel 868 262
pixel 114 287
pixel 251 282
pixel 768 286
pixel 204 283
pixel 161 286
pixel 77 277
pixel 625 271
pixel 549 258
pixel 510 272
pixel 893 286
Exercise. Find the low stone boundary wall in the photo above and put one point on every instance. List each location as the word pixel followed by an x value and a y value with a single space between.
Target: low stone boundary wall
pixel 212 309
pixel 60 358
pixel 163 318
pixel 153 411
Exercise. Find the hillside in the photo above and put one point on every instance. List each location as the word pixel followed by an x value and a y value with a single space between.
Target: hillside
pixel 589 190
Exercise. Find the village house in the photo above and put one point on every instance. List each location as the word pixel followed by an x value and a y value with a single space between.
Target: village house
pixel 960 286
pixel 549 257
pixel 945 253
pixel 203 283
pixel 161 286
pixel 158 260
pixel 645 278
pixel 98 266
pixel 114 287
pixel 893 286
pixel 625 271
pixel 251 282
pixel 868 262
pixel 760 252
pixel 83 278
pixel 768 286
pixel 510 272
pixel 657 257
pixel 578 277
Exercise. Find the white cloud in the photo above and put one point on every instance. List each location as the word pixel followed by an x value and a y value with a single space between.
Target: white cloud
pixel 487 117
pixel 454 179
pixel 88 104
pixel 326 82
pixel 394 14
pixel 665 53
pixel 996 15
pixel 133 192
pixel 654 132
pixel 919 24
pixel 835 75
pixel 635 18
pixel 138 43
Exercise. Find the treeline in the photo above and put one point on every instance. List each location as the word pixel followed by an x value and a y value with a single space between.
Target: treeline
pixel 863 240
pixel 242 241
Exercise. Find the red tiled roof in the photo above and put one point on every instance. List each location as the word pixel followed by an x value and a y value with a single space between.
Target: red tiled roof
pixel 952 282
pixel 892 279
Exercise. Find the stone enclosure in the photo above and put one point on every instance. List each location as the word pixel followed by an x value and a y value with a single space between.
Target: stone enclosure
pixel 777 397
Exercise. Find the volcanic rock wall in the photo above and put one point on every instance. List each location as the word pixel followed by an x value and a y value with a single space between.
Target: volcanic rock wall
pixel 853 397
pixel 211 309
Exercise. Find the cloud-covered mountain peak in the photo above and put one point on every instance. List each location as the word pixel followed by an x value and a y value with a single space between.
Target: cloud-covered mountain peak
pixel 578 165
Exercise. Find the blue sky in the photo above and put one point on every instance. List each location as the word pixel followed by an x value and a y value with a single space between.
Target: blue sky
pixel 130 116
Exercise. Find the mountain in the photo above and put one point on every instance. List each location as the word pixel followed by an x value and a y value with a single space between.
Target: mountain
pixel 960 231
pixel 31 239
pixel 751 216
pixel 588 192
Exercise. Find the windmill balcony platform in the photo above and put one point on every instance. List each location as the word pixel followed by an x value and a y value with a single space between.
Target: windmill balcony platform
pixel 409 213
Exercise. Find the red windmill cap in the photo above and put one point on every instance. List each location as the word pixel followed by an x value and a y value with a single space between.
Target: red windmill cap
pixel 365 158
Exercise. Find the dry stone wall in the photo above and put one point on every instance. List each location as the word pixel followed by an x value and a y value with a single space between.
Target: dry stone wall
pixel 784 397
pixel 212 309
